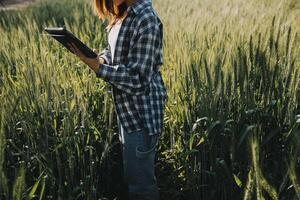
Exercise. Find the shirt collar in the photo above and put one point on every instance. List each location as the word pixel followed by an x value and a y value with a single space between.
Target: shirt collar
pixel 138 6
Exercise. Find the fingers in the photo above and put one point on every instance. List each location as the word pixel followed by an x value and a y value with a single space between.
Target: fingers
pixel 75 50
pixel 71 48
pixel 96 51
pixel 101 60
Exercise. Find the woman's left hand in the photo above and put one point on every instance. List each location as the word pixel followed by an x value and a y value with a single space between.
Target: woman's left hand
pixel 93 63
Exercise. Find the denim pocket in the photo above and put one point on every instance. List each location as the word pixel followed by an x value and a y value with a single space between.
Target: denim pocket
pixel 148 147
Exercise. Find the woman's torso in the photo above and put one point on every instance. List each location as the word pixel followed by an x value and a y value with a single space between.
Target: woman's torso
pixel 146 109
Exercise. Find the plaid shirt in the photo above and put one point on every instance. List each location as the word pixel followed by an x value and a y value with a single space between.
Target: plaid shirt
pixel 138 88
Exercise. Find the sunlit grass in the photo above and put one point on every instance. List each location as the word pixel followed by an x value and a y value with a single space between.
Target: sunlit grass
pixel 231 122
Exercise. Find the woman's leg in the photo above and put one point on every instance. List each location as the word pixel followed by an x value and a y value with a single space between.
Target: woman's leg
pixel 139 151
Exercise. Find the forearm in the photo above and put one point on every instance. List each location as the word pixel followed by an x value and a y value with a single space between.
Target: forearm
pixel 125 78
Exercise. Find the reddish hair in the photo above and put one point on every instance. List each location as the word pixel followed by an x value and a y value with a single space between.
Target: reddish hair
pixel 105 9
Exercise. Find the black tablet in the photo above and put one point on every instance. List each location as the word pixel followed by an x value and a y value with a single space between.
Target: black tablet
pixel 62 35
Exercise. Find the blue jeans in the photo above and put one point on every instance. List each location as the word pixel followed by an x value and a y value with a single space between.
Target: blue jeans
pixel 138 150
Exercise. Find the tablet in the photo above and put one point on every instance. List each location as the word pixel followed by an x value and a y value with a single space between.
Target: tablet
pixel 62 35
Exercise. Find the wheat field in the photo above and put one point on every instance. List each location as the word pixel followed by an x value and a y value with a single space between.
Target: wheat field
pixel 232 119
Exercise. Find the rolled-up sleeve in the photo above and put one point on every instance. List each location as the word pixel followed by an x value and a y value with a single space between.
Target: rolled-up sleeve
pixel 134 77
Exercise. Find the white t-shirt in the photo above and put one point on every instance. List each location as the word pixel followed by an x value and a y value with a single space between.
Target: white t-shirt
pixel 112 37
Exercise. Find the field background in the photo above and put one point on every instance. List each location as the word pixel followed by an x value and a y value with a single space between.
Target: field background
pixel 231 126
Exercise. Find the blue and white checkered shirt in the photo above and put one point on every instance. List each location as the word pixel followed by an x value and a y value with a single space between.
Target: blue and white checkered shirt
pixel 138 88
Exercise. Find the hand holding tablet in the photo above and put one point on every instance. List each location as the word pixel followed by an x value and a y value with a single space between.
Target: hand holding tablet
pixel 65 37
pixel 73 44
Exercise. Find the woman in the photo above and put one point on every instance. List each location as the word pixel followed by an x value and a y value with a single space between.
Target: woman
pixel 131 63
